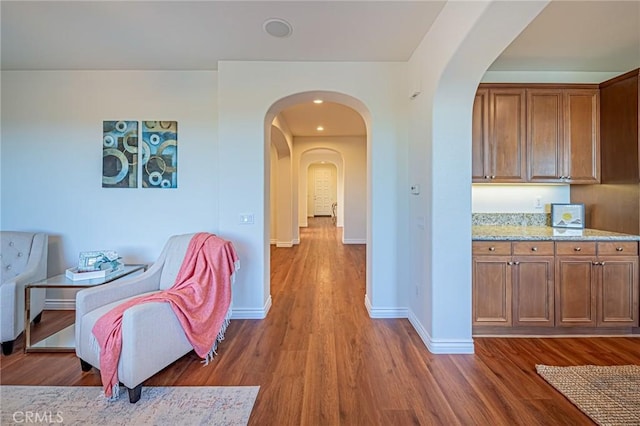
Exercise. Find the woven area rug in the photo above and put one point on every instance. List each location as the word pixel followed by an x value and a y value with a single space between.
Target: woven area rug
pixel 608 395
pixel 83 405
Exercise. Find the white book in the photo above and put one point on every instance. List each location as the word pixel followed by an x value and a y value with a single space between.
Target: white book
pixel 74 275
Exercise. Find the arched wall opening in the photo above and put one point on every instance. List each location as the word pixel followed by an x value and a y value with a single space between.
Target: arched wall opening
pixel 281 187
pixel 307 159
pixel 250 95
pixel 316 149
pixel 446 69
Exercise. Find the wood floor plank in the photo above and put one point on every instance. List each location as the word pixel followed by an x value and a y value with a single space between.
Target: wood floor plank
pixel 319 359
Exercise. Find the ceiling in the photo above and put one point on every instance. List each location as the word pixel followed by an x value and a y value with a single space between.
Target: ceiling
pixel 195 35
pixel 601 36
pixel 336 120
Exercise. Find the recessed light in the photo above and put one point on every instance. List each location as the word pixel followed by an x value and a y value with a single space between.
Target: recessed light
pixel 319 128
pixel 317 101
pixel 277 27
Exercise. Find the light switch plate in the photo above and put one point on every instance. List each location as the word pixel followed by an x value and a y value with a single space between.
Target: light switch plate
pixel 246 218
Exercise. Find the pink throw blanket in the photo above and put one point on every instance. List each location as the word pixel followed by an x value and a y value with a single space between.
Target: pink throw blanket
pixel 200 299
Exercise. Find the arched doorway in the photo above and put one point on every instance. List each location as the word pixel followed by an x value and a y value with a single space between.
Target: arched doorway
pixel 297 152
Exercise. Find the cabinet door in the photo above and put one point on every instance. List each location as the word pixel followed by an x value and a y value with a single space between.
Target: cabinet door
pixel 545 135
pixel 507 135
pixel 618 291
pixel 480 137
pixel 533 292
pixel 491 290
pixel 575 291
pixel 581 135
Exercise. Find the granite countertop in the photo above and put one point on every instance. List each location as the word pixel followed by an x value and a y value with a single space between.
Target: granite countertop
pixel 523 233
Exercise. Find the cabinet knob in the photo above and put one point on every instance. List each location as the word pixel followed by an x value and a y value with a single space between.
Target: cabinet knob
pixel 493 176
pixel 568 177
pixel 595 263
pixel 562 177
pixel 516 263
pixel 534 248
pixel 509 263
pixel 577 248
pixel 619 249
pixel 602 263
pixel 492 249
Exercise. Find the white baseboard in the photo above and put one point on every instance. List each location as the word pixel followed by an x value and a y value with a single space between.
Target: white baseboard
pixel 385 312
pixel 60 304
pixel 354 241
pixel 273 241
pixel 284 244
pixel 296 241
pixel 251 313
pixel 441 346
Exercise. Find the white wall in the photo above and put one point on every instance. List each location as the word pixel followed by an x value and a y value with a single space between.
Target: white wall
pixel 247 92
pixel 273 195
pixel 507 198
pixel 352 165
pixel 52 161
pixel 281 186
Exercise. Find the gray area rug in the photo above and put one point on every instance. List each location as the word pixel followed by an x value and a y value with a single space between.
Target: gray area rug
pixel 609 395
pixel 85 405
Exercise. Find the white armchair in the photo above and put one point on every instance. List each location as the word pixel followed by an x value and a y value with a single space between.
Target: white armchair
pixel 24 260
pixel 152 337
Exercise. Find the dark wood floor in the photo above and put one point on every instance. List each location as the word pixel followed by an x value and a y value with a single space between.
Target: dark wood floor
pixel 320 360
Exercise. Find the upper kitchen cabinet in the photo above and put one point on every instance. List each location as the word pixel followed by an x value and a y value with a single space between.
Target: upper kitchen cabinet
pixel 542 133
pixel 582 135
pixel 545 135
pixel 480 167
pixel 562 135
pixel 498 135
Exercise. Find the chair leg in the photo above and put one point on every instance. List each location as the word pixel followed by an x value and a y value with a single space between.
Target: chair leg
pixel 38 318
pixel 84 365
pixel 7 347
pixel 135 393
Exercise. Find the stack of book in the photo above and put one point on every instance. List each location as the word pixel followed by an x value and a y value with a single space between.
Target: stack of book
pixel 94 265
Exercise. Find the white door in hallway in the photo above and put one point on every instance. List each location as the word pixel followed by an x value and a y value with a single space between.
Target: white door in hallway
pixel 322 194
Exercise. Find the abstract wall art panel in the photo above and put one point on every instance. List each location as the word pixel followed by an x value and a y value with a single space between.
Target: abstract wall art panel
pixel 119 154
pixel 159 154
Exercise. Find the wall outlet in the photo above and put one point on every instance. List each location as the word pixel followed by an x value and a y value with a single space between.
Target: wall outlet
pixel 537 204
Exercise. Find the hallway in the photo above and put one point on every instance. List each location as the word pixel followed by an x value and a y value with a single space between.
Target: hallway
pixel 320 360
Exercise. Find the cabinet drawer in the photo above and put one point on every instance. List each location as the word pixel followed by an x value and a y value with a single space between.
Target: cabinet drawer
pixel 621 248
pixel 576 248
pixel 502 248
pixel 533 248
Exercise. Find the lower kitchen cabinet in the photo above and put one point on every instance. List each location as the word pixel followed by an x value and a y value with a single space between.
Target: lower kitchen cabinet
pixel 513 284
pixel 529 285
pixel 533 295
pixel 618 292
pixel 597 285
pixel 491 284
pixel 492 291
